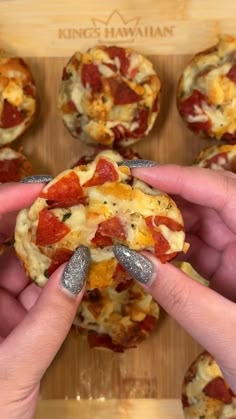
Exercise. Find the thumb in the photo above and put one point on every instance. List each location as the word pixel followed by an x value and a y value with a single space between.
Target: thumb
pixel 29 349
pixel 206 315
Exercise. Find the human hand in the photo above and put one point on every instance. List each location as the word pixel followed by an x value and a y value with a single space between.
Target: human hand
pixel 33 322
pixel 207 200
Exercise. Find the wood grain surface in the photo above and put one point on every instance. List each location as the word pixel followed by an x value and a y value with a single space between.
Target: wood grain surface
pixel 58 27
pixel 48 33
pixel 111 409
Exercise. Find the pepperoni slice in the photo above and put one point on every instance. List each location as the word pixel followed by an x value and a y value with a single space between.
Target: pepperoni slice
pixel 118 52
pixel 59 257
pixel 122 276
pixel 232 74
pixel 112 228
pixel 215 160
pixel 217 389
pixel 50 230
pixel 11 116
pixel 104 172
pixel 29 90
pixel 90 75
pixel 10 170
pixel 168 222
pixel 65 75
pixel 148 323
pixel 185 401
pixel 101 241
pixel 161 245
pixel 230 137
pixel 142 117
pixel 122 286
pixel 200 126
pixel 187 107
pixel 64 193
pixel 105 341
pixel 121 92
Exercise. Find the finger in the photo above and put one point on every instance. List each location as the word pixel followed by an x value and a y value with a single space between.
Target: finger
pixel 223 281
pixel 206 187
pixel 44 329
pixel 207 316
pixel 207 224
pixel 11 313
pixel 7 225
pixel 15 196
pixel 204 259
pixel 12 278
pixel 29 296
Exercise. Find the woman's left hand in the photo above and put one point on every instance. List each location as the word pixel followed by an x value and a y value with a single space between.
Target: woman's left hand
pixel 33 322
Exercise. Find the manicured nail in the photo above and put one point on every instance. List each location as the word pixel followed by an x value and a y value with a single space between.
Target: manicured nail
pixel 137 265
pixel 76 271
pixel 37 179
pixel 136 164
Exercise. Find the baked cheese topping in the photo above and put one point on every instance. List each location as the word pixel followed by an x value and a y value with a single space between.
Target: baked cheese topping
pixel 117 318
pixel 17 98
pixel 109 95
pixel 206 96
pixel 96 205
pixel 14 166
pixel 218 157
pixel 205 393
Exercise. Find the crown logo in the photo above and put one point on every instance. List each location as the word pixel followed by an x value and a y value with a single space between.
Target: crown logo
pixel 116 19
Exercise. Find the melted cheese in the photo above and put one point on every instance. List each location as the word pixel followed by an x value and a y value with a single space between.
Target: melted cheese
pixel 7 153
pixel 101 113
pixel 207 73
pixel 112 199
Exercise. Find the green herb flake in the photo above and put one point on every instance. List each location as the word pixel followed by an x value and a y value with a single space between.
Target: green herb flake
pixel 104 202
pixel 66 216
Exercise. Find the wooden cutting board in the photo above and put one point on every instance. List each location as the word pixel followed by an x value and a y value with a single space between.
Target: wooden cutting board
pixel 168 31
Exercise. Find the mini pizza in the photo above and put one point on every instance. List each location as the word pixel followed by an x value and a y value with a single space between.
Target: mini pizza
pixel 206 93
pixel 218 157
pixel 117 155
pixel 14 166
pixel 109 96
pixel 17 98
pixel 205 392
pixel 96 205
pixel 117 318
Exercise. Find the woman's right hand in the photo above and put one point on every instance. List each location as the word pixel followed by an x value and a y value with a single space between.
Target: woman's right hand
pixel 207 200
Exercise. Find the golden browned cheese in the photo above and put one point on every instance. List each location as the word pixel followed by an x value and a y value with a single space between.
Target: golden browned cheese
pixel 206 93
pixel 110 212
pixel 126 316
pixel 218 157
pixel 197 402
pixel 109 96
pixel 17 98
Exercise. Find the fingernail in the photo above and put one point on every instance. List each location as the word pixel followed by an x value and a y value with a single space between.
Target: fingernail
pixel 76 271
pixel 136 164
pixel 137 265
pixel 37 179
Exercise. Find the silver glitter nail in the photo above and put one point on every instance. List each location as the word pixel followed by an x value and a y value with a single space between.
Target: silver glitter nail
pixel 37 179
pixel 76 271
pixel 136 164
pixel 137 265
